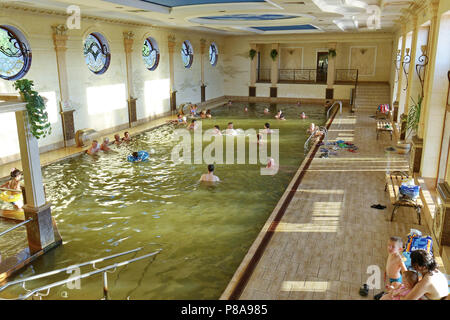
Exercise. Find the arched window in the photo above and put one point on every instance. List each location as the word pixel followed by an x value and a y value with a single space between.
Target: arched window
pixel 15 53
pixel 96 53
pixel 187 54
pixel 213 54
pixel 150 54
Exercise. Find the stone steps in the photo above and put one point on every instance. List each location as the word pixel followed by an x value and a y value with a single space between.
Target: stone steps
pixel 368 96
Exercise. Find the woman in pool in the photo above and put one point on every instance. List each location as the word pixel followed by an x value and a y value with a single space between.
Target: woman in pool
pixel 126 136
pixel 217 130
pixel 433 285
pixel 15 198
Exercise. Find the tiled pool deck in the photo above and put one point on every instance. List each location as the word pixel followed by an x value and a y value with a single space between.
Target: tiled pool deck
pixel 329 234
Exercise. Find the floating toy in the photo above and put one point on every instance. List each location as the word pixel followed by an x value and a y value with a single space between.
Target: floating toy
pixel 142 156
pixel 9 196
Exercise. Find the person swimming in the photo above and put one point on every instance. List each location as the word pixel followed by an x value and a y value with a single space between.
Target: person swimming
pixel 117 140
pixel 95 147
pixel 303 115
pixel 210 177
pixel 15 198
pixel 266 111
pixel 245 109
pixel 280 115
pixel 192 125
pixel 126 136
pixel 208 113
pixel 217 130
pixel 230 130
pixel 104 145
pixel 267 129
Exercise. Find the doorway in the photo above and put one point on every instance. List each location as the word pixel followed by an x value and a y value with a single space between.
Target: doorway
pixel 322 66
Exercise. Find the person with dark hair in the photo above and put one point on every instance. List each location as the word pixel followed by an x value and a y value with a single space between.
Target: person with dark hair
pixel 433 285
pixel 126 136
pixel 210 177
pixel 14 197
pixel 217 130
pixel 267 128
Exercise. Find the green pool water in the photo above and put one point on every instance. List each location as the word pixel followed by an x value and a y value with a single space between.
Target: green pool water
pixel 105 205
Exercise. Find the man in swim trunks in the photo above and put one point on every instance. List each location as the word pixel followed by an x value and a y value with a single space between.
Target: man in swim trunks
pixel 94 148
pixel 210 177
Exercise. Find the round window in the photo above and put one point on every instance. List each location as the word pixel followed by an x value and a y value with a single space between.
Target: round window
pixel 213 54
pixel 15 54
pixel 96 53
pixel 150 54
pixel 187 54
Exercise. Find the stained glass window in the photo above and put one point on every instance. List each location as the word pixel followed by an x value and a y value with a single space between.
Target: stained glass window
pixel 213 54
pixel 96 53
pixel 150 54
pixel 187 54
pixel 15 54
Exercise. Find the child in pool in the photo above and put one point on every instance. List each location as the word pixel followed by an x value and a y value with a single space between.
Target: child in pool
pixel 410 279
pixel 14 184
pixel 136 157
pixel 267 129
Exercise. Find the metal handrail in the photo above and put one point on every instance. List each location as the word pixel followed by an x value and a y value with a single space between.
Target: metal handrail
pixel 53 272
pixel 86 275
pixel 340 108
pixel 325 138
pixel 15 227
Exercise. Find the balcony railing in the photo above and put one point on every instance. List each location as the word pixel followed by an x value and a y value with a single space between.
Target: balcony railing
pixel 302 76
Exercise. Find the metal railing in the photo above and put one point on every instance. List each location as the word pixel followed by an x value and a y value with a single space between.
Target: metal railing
pixel 306 146
pixel 334 104
pixel 15 227
pixel 302 75
pixel 104 270
pixel 346 76
pixel 264 75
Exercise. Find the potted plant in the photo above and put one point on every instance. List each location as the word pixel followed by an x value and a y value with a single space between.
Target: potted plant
pixel 413 118
pixel 37 115
pixel 252 53
pixel 273 54
pixel 332 52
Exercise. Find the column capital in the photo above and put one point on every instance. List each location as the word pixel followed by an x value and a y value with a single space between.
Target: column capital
pixel 171 42
pixel 60 37
pixel 128 39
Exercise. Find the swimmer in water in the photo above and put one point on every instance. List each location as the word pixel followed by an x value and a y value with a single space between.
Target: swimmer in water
pixel 126 136
pixel 245 109
pixel 210 175
pixel 94 148
pixel 266 111
pixel 208 113
pixel 270 163
pixel 217 130
pixel 136 157
pixel 14 184
pixel 230 103
pixel 230 130
pixel 267 129
pixel 193 125
pixel 303 115
pixel 104 145
pixel 117 140
pixel 280 115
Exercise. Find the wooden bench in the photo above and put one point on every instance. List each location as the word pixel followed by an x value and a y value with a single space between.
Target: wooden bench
pixel 393 183
pixel 384 126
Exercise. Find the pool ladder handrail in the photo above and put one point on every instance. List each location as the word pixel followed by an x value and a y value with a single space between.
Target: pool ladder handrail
pixel 81 276
pixel 306 147
pixel 15 227
pixel 335 103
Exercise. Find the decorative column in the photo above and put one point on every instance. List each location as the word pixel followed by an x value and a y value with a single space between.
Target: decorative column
pixel 60 41
pixel 253 71
pixel 411 68
pixel 432 38
pixel 400 78
pixel 41 230
pixel 202 69
pixel 274 71
pixel 441 221
pixel 173 92
pixel 128 40
pixel 331 71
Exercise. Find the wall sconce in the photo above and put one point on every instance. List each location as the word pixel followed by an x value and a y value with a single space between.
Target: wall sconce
pixel 423 61
pixel 397 63
pixel 406 61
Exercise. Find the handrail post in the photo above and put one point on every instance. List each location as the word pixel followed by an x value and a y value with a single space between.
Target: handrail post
pixel 105 286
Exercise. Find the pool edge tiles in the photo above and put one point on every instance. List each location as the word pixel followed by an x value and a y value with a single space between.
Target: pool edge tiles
pixel 243 273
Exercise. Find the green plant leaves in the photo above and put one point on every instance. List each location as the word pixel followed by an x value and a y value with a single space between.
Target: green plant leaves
pixel 273 54
pixel 36 110
pixel 252 53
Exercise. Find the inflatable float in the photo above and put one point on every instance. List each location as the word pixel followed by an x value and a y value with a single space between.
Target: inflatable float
pixel 142 156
